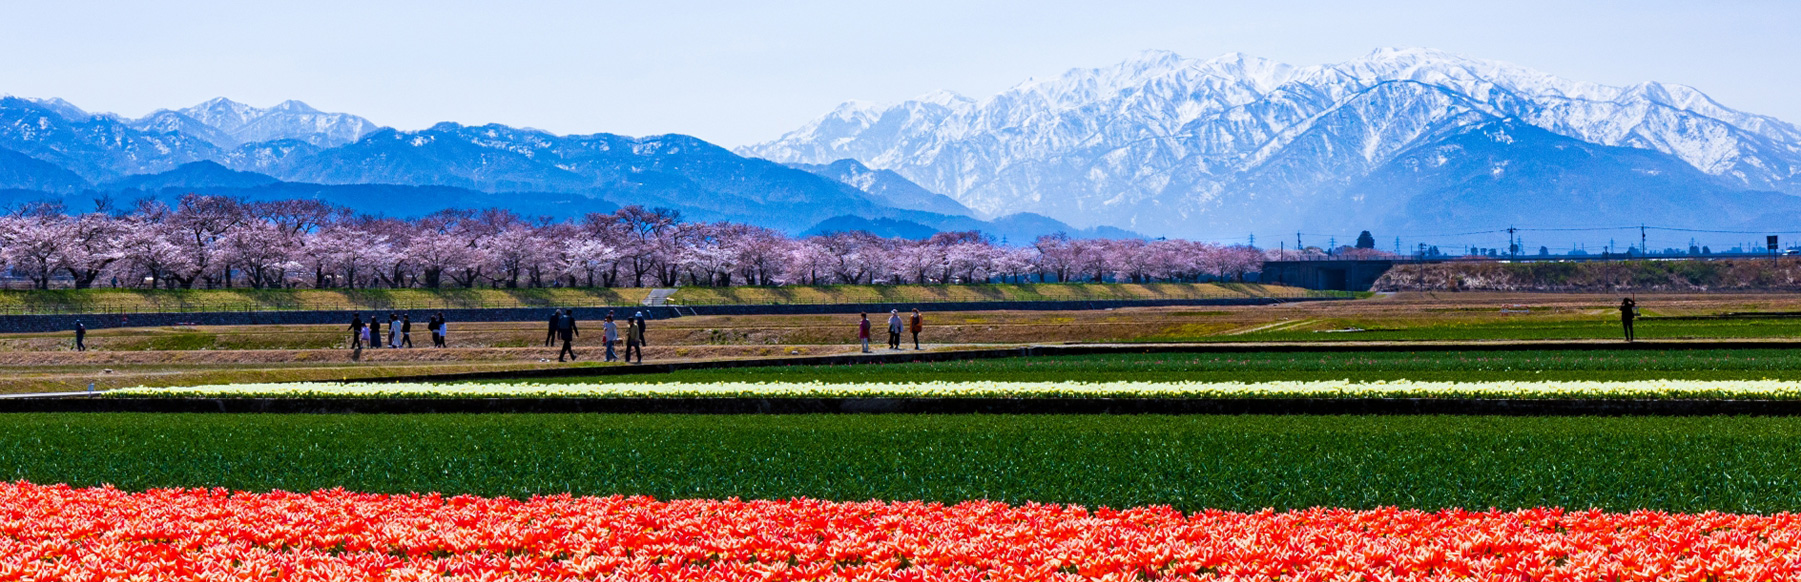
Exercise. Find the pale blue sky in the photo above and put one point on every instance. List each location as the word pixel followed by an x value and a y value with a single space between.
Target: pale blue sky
pixel 742 72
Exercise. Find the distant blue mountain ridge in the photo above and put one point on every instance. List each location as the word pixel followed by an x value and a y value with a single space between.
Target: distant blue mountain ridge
pixel 52 150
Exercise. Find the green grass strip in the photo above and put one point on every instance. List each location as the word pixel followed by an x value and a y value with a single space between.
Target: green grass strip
pixel 1436 366
pixel 1239 463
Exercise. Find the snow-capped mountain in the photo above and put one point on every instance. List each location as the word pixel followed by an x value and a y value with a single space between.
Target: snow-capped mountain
pixel 99 148
pixel 1168 145
pixel 229 124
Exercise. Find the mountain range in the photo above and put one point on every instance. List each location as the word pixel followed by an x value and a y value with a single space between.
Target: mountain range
pixel 1399 141
pixel 53 149
pixel 1402 140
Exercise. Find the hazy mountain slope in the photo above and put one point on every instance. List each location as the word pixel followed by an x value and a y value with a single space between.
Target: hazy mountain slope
pixel 887 187
pixel 203 174
pixel 1512 173
pixel 22 172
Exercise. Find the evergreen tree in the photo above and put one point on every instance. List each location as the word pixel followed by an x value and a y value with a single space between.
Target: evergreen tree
pixel 1365 241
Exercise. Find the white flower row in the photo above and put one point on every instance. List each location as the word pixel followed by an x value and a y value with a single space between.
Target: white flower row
pixel 1756 389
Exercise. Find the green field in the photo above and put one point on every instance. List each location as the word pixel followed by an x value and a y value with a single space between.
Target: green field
pixel 1427 328
pixel 1445 366
pixel 1240 463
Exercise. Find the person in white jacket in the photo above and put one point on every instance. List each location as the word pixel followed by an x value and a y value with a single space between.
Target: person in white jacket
pixel 894 329
pixel 610 335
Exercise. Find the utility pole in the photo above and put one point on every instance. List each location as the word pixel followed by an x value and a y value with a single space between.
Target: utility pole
pixel 1642 249
pixel 1513 250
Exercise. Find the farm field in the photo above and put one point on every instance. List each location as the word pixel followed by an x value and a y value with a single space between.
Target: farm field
pixel 1189 463
pixel 1002 493
pixel 193 355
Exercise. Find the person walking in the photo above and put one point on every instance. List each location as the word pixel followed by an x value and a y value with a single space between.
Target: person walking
pixel 863 332
pixel 437 329
pixel 918 324
pixel 566 331
pixel 1628 312
pixel 894 329
pixel 81 337
pixel 609 333
pixel 393 331
pixel 356 331
pixel 634 340
pixel 406 331
pixel 374 339
pixel 550 333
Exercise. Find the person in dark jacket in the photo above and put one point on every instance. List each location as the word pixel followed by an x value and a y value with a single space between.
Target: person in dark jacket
pixel 356 331
pixel 863 332
pixel 81 337
pixel 566 331
pixel 437 329
pixel 406 330
pixel 374 332
pixel 550 333
pixel 917 325
pixel 634 339
pixel 1628 312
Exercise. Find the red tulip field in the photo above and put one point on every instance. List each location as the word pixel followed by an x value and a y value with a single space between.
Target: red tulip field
pixel 78 534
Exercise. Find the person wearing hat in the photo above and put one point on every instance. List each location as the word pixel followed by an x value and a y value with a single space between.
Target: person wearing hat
pixel 863 332
pixel 894 329
pixel 634 337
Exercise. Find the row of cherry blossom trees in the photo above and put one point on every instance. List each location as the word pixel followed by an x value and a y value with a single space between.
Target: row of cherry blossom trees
pixel 218 242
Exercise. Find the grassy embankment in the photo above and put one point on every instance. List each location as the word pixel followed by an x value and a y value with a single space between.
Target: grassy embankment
pixel 142 300
pixel 1240 463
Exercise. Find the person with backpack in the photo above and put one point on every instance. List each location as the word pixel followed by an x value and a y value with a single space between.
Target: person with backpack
pixel 81 336
pixel 917 325
pixel 863 332
pixel 566 331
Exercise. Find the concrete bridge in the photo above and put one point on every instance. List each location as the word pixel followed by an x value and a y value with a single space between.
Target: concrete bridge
pixel 1346 275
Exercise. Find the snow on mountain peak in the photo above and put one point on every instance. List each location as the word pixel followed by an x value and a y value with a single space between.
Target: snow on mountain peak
pixel 240 123
pixel 293 106
pixel 943 98
pixel 1155 140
